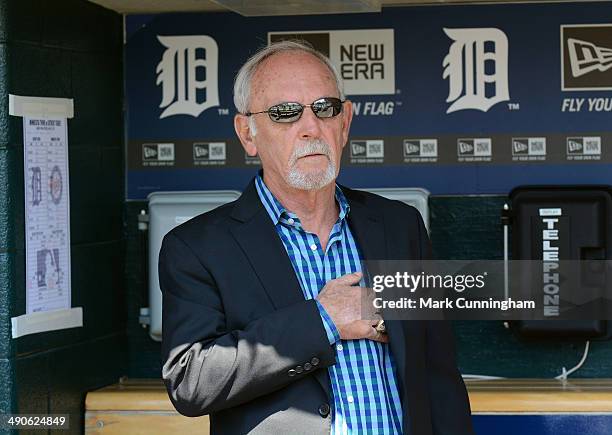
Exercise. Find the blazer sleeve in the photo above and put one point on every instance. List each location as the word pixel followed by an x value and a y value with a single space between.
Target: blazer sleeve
pixel 207 368
pixel 450 406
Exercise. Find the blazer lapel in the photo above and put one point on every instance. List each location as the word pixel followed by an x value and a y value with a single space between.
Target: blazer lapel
pixel 264 249
pixel 368 228
pixel 259 240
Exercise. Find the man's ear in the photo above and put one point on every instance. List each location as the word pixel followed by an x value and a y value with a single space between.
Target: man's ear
pixel 347 117
pixel 241 125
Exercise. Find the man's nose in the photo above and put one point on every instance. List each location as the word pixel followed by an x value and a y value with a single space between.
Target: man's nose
pixel 309 125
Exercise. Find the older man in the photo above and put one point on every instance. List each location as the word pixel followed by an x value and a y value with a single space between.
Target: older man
pixel 263 327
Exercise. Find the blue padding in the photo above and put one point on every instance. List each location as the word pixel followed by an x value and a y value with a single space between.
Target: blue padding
pixel 548 424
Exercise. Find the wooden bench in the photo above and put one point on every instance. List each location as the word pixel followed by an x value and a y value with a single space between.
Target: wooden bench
pixel 507 406
pixel 137 407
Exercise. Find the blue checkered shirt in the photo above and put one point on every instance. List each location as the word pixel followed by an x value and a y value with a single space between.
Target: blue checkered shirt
pixel 363 381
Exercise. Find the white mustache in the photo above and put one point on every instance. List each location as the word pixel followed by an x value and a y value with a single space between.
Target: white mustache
pixel 315 146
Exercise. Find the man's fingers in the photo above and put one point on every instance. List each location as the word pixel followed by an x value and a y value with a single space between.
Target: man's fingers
pixel 382 337
pixel 350 278
pixel 362 329
pixel 370 312
pixel 378 336
pixel 375 335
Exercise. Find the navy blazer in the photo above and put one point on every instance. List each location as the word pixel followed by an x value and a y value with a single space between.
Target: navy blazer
pixel 235 324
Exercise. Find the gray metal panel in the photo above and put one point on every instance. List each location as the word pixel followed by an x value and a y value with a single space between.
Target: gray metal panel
pixel 414 196
pixel 166 211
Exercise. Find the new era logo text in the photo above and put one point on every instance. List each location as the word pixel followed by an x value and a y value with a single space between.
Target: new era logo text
pixel 420 150
pixel 367 151
pixel 158 154
pixel 365 58
pixel 528 148
pixel 209 153
pixel 474 150
pixel 584 148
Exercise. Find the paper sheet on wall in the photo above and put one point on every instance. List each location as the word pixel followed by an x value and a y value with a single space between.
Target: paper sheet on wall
pixel 47 213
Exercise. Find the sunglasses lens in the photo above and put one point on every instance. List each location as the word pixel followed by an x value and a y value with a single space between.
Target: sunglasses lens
pixel 285 112
pixel 327 107
pixel 290 112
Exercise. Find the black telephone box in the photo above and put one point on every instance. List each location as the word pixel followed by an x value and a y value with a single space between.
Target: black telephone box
pixel 579 219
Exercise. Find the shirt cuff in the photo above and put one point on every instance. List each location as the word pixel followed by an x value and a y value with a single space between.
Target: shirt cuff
pixel 330 329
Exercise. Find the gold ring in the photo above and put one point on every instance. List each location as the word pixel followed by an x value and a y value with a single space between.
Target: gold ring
pixel 380 327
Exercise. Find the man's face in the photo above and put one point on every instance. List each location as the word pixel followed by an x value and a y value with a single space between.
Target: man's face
pixel 304 154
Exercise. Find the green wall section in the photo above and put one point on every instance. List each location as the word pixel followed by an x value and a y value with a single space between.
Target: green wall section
pixel 461 228
pixel 71 49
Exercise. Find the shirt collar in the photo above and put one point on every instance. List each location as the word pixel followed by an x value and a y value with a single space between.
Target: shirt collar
pixel 277 211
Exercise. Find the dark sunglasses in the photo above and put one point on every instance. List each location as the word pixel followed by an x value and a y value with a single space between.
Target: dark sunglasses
pixel 327 107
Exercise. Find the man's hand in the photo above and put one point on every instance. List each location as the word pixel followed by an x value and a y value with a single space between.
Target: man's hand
pixel 342 299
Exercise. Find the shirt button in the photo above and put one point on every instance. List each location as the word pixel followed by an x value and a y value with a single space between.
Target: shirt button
pixel 324 410
pixel 290 221
pixel 314 361
pixel 307 366
pixel 313 247
pixel 339 348
pixel 291 372
pixel 299 369
pixel 350 399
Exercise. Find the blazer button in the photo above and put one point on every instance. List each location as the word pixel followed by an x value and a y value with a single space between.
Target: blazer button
pixel 324 410
pixel 307 366
pixel 299 369
pixel 314 361
pixel 291 372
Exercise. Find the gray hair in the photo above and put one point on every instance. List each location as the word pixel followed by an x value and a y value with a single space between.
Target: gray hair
pixel 242 83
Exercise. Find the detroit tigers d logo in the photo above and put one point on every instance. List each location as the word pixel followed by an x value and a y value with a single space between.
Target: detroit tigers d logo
pixel 470 86
pixel 177 72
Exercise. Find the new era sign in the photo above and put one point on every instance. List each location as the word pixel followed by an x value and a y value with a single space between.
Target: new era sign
pixel 586 57
pixel 364 58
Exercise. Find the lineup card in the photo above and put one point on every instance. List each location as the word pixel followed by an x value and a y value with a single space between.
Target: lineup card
pixel 47 214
